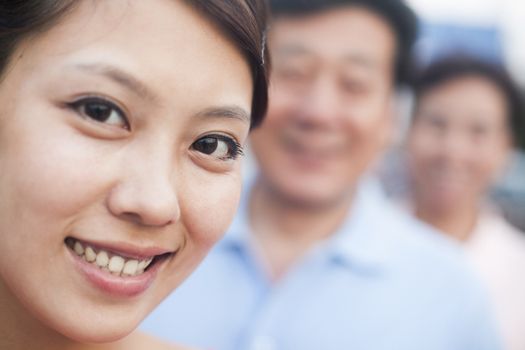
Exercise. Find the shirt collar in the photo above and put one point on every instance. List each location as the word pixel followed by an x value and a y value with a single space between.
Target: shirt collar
pixel 361 242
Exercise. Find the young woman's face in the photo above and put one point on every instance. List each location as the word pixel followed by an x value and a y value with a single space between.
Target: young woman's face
pixel 119 142
pixel 459 142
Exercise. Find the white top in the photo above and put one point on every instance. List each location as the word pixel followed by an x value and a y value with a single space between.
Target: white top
pixel 496 251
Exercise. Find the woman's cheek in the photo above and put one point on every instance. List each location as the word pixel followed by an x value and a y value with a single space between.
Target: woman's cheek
pixel 60 182
pixel 212 203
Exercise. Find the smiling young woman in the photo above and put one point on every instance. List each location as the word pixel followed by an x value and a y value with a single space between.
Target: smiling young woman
pixel 121 126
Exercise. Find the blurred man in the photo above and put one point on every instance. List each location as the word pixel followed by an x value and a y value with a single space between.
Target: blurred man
pixel 316 258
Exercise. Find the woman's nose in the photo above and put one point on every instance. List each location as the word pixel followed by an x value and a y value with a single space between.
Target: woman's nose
pixel 146 196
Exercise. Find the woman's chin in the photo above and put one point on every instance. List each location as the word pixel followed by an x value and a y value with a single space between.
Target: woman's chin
pixel 104 329
pixel 98 334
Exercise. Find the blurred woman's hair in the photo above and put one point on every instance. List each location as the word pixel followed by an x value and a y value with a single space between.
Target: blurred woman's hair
pixel 455 67
pixel 242 21
pixel 396 13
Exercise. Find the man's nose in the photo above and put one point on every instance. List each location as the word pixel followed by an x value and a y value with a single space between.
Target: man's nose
pixel 320 105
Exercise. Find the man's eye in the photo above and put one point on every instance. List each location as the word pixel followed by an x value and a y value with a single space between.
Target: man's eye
pixel 102 111
pixel 218 146
pixel 293 74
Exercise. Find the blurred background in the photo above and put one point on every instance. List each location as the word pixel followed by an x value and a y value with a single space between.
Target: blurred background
pixel 493 30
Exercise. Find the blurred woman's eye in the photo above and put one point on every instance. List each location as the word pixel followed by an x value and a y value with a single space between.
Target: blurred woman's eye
pixel 101 110
pixel 218 146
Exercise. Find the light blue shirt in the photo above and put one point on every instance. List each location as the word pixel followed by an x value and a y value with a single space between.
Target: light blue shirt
pixel 383 281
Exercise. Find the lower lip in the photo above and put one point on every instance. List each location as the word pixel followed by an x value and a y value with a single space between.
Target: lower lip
pixel 113 285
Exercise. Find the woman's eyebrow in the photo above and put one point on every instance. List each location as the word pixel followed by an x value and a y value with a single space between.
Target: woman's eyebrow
pixel 127 80
pixel 228 112
pixel 119 76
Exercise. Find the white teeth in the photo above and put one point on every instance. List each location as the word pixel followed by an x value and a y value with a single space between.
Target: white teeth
pixel 130 268
pixel 148 262
pixel 102 259
pixel 116 264
pixel 90 254
pixel 78 248
pixel 142 265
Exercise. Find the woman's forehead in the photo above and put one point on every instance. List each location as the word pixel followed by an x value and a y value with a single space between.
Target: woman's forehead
pixel 165 49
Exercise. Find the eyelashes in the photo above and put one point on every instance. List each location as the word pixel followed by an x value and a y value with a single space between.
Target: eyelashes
pixel 101 110
pixel 218 146
pixel 104 111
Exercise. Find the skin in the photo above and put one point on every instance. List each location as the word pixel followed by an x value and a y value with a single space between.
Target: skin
pixel 457 147
pixel 135 179
pixel 329 116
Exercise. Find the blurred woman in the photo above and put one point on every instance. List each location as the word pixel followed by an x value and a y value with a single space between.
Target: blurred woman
pixel 460 141
pixel 121 130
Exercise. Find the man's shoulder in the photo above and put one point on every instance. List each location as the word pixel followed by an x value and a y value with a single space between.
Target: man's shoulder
pixel 417 236
pixel 406 237
pixel 424 249
pixel 436 266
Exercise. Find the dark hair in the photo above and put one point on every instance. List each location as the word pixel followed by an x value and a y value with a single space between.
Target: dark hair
pixel 401 19
pixel 455 67
pixel 21 19
pixel 242 21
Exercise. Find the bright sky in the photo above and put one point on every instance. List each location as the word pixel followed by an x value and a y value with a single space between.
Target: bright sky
pixel 509 15
pixel 466 11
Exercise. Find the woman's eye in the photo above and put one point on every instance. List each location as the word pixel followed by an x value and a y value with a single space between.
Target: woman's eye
pixel 102 111
pixel 218 146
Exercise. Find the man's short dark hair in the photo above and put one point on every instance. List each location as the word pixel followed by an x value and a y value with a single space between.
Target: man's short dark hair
pixel 396 13
pixel 454 67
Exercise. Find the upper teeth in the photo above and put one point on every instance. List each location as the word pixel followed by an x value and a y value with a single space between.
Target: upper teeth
pixel 114 263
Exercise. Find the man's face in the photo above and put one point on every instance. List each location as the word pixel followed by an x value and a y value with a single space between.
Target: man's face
pixel 330 101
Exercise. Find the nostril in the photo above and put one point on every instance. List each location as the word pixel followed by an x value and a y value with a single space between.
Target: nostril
pixel 145 220
pixel 133 217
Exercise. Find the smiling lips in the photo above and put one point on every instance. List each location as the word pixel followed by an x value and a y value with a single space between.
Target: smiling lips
pixel 118 270
pixel 114 263
pixel 319 146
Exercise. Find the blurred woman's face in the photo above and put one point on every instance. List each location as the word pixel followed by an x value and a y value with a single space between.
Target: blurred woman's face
pixel 459 141
pixel 120 134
